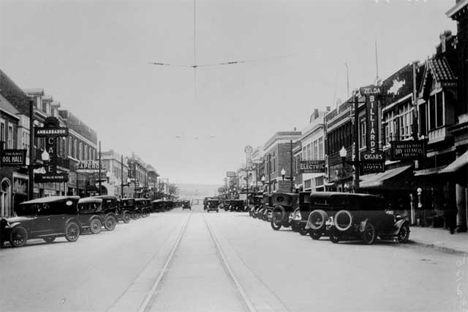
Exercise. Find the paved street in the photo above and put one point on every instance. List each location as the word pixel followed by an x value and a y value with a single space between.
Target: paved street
pixel 129 270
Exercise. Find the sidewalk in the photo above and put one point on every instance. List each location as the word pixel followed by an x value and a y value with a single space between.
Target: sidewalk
pixel 440 239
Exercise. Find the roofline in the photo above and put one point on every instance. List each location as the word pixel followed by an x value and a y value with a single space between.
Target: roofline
pixel 456 8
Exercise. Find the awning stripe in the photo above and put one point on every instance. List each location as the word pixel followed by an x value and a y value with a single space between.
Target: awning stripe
pixel 458 164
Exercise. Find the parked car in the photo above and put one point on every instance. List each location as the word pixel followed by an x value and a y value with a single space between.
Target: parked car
pixel 237 205
pixel 89 214
pixel 283 205
pixel 257 202
pixel 110 204
pixel 46 218
pixel 143 206
pixel 297 224
pixel 213 205
pixel 158 205
pixel 267 207
pixel 367 217
pixel 129 205
pixel 186 205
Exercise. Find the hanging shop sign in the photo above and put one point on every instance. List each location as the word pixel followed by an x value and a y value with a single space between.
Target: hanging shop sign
pixel 230 174
pixel 51 177
pixel 406 150
pixel 372 162
pixel 13 157
pixel 89 165
pixel 372 115
pixel 312 166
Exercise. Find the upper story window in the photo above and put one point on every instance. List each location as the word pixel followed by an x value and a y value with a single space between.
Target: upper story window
pixel 2 130
pixel 362 133
pixel 320 145
pixel 10 137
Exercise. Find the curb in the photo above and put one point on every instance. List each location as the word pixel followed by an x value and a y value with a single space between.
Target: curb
pixel 436 246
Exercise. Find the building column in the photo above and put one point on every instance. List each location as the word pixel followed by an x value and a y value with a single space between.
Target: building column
pixel 461 201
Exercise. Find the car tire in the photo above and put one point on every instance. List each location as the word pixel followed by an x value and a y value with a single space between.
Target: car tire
pixel 95 226
pixel 126 217
pixel 18 236
pixel 369 235
pixel 315 235
pixel 110 223
pixel 303 231
pixel 49 239
pixel 275 226
pixel 72 231
pixel 335 236
pixel 343 220
pixel 404 233
pixel 317 219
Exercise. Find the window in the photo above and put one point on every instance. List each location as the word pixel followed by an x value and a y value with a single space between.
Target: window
pixel 439 110
pixel 10 137
pixel 432 113
pixel 307 184
pixel 362 130
pixel 320 143
pixel 315 150
pixel 2 131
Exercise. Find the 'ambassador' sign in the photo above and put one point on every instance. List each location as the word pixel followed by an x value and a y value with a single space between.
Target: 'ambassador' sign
pixel 13 158
pixel 46 132
pixel 312 166
pixel 89 165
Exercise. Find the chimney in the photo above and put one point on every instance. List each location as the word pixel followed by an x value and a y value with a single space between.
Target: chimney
pixel 328 108
pixel 443 40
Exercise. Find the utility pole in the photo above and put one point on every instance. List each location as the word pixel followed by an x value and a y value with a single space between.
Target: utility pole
pixel 291 169
pixel 269 173
pixel 99 168
pixel 357 165
pixel 121 177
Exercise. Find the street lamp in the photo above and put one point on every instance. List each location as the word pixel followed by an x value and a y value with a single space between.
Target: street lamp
pixel 108 174
pixel 283 173
pixel 45 158
pixel 343 154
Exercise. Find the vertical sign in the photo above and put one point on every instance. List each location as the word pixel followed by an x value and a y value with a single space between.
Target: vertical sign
pixel 372 113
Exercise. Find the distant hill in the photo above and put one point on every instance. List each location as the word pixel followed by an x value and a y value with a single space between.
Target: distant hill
pixel 193 191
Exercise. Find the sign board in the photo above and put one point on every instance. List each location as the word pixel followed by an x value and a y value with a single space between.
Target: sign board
pixel 230 174
pixel 312 166
pixel 89 165
pixel 51 177
pixel 48 132
pixel 13 157
pixel 372 167
pixel 405 150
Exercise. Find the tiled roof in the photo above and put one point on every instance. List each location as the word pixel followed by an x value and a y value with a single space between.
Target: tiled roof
pixel 14 94
pixel 441 70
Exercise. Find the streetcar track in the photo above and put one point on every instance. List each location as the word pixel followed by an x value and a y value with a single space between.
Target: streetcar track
pixel 147 303
pixel 151 296
pixel 231 274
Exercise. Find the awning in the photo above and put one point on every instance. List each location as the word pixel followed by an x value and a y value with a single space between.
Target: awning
pixel 428 171
pixel 459 164
pixel 389 179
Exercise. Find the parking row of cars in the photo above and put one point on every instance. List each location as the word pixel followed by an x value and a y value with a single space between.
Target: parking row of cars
pixel 339 216
pixel 70 216
pixel 214 204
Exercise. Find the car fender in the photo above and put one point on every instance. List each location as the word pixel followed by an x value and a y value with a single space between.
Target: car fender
pixel 399 224
pixel 362 225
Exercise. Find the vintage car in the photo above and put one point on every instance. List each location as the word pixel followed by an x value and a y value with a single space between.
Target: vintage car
pixel 212 205
pixel 46 218
pixel 256 203
pixel 283 205
pixel 186 205
pixel 265 212
pixel 158 205
pixel 205 202
pixel 365 218
pixel 322 207
pixel 143 206
pixel 89 214
pixel 236 205
pixel 297 224
pixel 110 204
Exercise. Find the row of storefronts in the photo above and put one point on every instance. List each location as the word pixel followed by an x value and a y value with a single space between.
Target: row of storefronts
pixel 404 138
pixel 61 156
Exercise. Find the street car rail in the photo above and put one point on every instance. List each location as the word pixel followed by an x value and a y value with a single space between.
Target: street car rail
pixel 151 297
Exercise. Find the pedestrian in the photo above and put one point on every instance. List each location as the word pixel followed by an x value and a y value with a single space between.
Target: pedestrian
pixel 450 214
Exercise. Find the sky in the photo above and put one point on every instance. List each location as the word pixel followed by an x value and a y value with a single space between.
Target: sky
pixel 192 124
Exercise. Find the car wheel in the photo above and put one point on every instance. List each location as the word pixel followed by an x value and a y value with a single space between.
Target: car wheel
pixel 18 236
pixel 95 226
pixel 303 231
pixel 343 220
pixel 368 235
pixel 49 239
pixel 317 219
pixel 275 226
pixel 316 235
pixel 109 223
pixel 126 217
pixel 72 231
pixel 335 236
pixel 403 234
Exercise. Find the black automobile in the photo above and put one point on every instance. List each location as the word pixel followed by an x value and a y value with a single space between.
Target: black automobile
pixel 110 205
pixel 365 218
pixel 265 213
pixel 186 205
pixel 46 218
pixel 297 224
pixel 90 214
pixel 237 205
pixel 257 203
pixel 158 205
pixel 321 211
pixel 212 205
pixel 143 206
pixel 283 205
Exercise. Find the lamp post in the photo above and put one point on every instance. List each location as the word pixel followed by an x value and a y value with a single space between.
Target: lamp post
pixel 283 173
pixel 343 154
